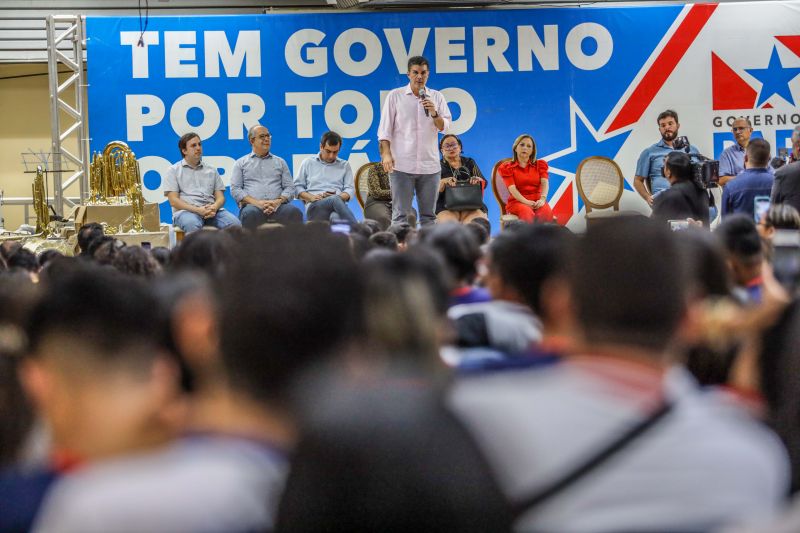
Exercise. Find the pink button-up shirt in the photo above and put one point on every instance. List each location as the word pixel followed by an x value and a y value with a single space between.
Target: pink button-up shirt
pixel 413 137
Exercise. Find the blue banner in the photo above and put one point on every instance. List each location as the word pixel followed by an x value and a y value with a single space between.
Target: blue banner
pixel 561 74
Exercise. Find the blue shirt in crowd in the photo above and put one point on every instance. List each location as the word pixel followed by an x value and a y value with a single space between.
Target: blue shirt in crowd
pixel 731 161
pixel 651 161
pixel 738 195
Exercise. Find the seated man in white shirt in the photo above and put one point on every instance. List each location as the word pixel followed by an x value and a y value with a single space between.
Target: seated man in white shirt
pixel 325 182
pixel 195 191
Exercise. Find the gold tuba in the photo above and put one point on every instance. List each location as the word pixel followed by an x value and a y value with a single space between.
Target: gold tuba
pixel 112 174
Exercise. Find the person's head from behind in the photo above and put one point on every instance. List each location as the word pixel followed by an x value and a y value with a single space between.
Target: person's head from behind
pixel 482 229
pixel 404 233
pixel 405 301
pixel 522 260
pixel 778 216
pixel 136 261
pixel 739 235
pixel 24 260
pixel 628 285
pixel 459 248
pixel 47 256
pixel 162 255
pixel 104 249
pixel 88 233
pixel 677 167
pixel 385 239
pixel 207 251
pixel 96 367
pixel 757 154
pixel 17 296
pixel 9 248
pixel 288 304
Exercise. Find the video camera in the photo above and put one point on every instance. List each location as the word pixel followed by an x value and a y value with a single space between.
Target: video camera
pixel 705 171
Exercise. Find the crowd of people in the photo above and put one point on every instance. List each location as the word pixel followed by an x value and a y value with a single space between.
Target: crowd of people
pixel 340 375
pixel 294 377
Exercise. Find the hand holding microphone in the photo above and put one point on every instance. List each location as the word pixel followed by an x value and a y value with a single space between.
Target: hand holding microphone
pixel 422 97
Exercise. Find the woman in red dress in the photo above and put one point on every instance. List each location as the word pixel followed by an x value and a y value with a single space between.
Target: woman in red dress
pixel 527 180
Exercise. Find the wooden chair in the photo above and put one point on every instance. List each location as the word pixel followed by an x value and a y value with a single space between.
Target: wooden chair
pixel 600 184
pixel 362 183
pixel 501 193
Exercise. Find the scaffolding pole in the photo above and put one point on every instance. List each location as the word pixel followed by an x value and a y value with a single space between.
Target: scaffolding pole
pixel 74 126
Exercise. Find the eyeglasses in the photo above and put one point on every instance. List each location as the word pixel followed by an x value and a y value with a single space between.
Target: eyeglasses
pixel 450 146
pixel 265 136
pixel 739 128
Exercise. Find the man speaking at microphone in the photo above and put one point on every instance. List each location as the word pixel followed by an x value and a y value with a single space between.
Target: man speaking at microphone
pixel 411 120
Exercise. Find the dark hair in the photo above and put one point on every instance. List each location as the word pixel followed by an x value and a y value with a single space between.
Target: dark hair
pixel 184 140
pixel 782 216
pixel 47 256
pixel 17 296
pixel 778 367
pixel 208 251
pixel 118 316
pixel 360 245
pixel 163 255
pixel 9 248
pixel 458 246
pixel 373 225
pixel 384 239
pixel 758 153
pixel 680 164
pixel 25 260
pixel 404 295
pixel 88 233
pixel 136 261
pixel 104 249
pixel 401 230
pixel 485 227
pixel 628 283
pixel 306 300
pixel 447 136
pixel 666 114
pixel 418 60
pixel 704 258
pixel 529 255
pixel 739 236
pixel 331 138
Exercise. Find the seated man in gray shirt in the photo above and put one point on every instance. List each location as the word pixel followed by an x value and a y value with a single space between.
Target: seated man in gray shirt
pixel 194 190
pixel 325 182
pixel 262 184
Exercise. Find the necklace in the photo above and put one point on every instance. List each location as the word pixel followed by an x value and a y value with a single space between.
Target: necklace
pixel 456 172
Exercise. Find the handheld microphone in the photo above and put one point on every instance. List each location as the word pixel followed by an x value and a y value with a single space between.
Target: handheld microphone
pixel 423 96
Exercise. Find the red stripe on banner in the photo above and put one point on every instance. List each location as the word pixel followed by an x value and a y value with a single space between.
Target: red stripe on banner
pixel 563 209
pixel 663 66
pixel 792 42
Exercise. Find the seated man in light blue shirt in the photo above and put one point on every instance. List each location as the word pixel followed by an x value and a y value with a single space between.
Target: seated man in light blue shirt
pixel 262 184
pixel 651 161
pixel 325 183
pixel 195 191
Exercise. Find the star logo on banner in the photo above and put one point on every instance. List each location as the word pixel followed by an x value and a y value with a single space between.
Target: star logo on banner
pixel 585 142
pixel 774 79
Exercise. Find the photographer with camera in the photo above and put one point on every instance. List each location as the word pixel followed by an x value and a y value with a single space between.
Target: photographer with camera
pixel 756 180
pixel 686 197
